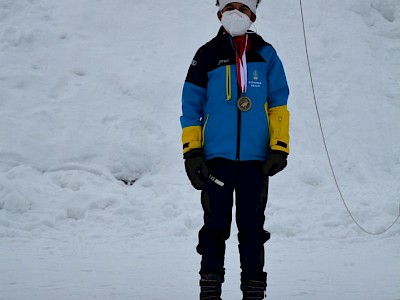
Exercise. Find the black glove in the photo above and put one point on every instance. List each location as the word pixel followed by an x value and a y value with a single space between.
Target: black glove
pixel 276 161
pixel 196 168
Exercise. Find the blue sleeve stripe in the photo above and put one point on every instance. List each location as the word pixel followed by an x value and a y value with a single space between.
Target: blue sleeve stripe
pixel 193 98
pixel 278 90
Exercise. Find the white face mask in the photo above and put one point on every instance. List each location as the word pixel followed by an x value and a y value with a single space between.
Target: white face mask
pixel 235 22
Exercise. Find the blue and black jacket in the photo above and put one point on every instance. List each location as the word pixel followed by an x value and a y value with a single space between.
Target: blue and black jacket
pixel 210 116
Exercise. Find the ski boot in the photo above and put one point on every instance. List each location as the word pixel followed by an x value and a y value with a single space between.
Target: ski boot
pixel 253 290
pixel 210 287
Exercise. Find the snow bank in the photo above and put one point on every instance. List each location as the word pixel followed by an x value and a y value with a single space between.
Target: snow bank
pixel 90 99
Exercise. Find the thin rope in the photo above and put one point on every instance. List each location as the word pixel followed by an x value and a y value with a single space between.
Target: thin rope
pixel 324 140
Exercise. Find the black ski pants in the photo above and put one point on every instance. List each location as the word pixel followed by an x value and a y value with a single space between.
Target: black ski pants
pixel 250 185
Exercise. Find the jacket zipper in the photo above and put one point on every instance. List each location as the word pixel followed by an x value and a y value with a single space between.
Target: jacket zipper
pixel 239 115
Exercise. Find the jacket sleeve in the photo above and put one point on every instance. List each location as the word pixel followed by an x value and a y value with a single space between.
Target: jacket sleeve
pixel 193 98
pixel 277 111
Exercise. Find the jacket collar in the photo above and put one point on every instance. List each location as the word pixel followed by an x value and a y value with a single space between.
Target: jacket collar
pixel 255 40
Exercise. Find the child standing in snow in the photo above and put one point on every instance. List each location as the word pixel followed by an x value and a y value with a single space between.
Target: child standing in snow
pixel 235 135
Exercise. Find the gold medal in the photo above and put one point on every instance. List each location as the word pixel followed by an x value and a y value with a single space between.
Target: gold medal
pixel 244 103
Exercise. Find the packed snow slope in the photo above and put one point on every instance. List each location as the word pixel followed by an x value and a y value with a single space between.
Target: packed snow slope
pixel 90 98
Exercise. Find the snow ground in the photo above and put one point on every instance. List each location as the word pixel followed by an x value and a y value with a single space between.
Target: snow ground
pixel 90 95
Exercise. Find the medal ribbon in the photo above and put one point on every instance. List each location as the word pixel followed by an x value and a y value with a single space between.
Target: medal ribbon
pixel 241 63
